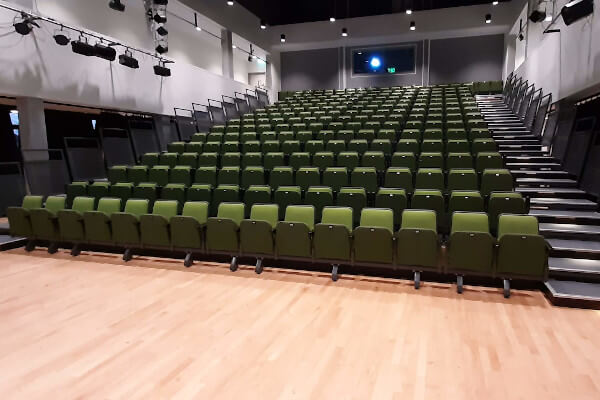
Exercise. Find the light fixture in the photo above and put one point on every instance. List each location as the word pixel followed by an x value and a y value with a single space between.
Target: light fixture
pixel 162 31
pixel 82 47
pixel 488 18
pixel 233 46
pixel 548 18
pixel 116 5
pixel 159 19
pixel 494 3
pixel 408 11
pixel 128 61
pixel 413 26
pixel 282 38
pixel 162 48
pixel 229 3
pixel 576 9
pixel 521 36
pixel 25 26
pixel 331 19
pixel 359 53
pixel 249 58
pixel 105 52
pixel 375 62
pixel 161 70
pixel 344 32
pixel 61 38
pixel 196 23
pixel 263 24
pixel 537 16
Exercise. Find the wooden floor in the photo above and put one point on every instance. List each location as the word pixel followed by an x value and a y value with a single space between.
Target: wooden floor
pixel 93 327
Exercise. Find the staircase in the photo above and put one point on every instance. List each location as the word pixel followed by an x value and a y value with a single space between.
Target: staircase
pixel 568 216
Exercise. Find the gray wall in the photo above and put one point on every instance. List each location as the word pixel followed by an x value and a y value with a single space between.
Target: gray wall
pixel 310 69
pixel 475 58
pixel 478 58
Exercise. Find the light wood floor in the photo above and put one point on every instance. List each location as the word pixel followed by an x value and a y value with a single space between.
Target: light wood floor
pixel 93 327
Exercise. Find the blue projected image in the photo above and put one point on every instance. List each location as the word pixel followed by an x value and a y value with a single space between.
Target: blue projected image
pixel 375 62
pixel 14 117
pixel 94 124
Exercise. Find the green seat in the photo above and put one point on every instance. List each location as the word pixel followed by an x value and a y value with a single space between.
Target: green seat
pixel 430 200
pixel 150 159
pixel 374 238
pixel 496 180
pixel 229 176
pixel 126 225
pixel 308 176
pixel 273 160
pixel 70 221
pixel 488 160
pixel 459 161
pixel 187 229
pixel 366 134
pixel 417 241
pixel 281 176
pixel 290 146
pixel 181 174
pixel 408 146
pixel 145 190
pixel 253 176
pixel 300 159
pixel 137 174
pixel 462 179
pixel 118 173
pixel 174 191
pixel 458 146
pixel 479 133
pixel 286 196
pixel 319 197
pixel 200 192
pixel 432 146
pixel 433 133
pixel 222 231
pixel 154 228
pixel 345 135
pixel 348 159
pixel 215 137
pixel 231 159
pixel 208 159
pixel 304 136
pixel 98 228
pixel 194 147
pixel 431 160
pixel 252 146
pixel 411 134
pixel 122 190
pixel 375 159
pixel 169 159
pixel 333 235
pixel 504 203
pixel 483 145
pixel 206 175
pixel 159 174
pixel 430 178
pixel 464 200
pixel 287 136
pixel 257 234
pixel 335 177
pixel 323 160
pixel 248 136
pixel 353 197
pixel 393 199
pixel 358 145
pixel 98 190
pixel 188 160
pixel 335 146
pixel 212 147
pixel 268 136
pixel 387 134
pixel 470 247
pixel 256 194
pixel 404 159
pixel 293 236
pixel 176 147
pixel 522 251
pixel 456 134
pixel 224 194
pixel 400 178
pixel 19 221
pixel 365 177
pixel 270 146
pixel 199 137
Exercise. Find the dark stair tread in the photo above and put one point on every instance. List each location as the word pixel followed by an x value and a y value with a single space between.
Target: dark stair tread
pixel 555 166
pixel 575 265
pixel 575 245
pixel 570 228
pixel 573 293
pixel 557 182
pixel 566 214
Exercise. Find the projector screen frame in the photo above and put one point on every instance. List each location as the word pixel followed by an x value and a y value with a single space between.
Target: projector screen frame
pixel 375 48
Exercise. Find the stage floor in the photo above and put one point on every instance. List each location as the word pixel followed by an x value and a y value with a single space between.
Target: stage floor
pixel 96 327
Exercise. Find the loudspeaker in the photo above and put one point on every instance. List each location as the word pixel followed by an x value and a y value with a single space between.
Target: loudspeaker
pixel 576 9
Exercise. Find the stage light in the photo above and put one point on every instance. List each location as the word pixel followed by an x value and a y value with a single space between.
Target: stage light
pixel 537 16
pixel 105 52
pixel 344 32
pixel 408 11
pixel 159 19
pixel 229 3
pixel 83 47
pixel 249 58
pixel 162 48
pixel 494 3
pixel 413 26
pixel 548 18
pixel 162 31
pixel 521 36
pixel 61 38
pixel 25 26
pixel 116 5
pixel 331 19
pixel 161 70
pixel 234 46
pixel 488 18
pixel 375 62
pixel 282 38
pixel 127 60
pixel 263 24
pixel 577 9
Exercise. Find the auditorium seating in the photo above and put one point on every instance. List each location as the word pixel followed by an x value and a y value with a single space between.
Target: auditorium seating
pixel 371 177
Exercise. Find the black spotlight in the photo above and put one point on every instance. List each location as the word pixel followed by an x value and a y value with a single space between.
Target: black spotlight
pixel 263 24
pixel 162 48
pixel 521 36
pixel 249 57
pixel 161 70
pixel 83 47
pixel 162 31
pixel 488 18
pixel 25 26
pixel 344 32
pixel 105 52
pixel 577 9
pixel 537 16
pixel 116 5
pixel 128 61
pixel 159 19
pixel 282 38
pixel 61 38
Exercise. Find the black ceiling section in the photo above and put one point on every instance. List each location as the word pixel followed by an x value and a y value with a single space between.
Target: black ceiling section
pixel 283 12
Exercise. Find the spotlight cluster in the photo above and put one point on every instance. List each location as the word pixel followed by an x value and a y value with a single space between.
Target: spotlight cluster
pixel 157 14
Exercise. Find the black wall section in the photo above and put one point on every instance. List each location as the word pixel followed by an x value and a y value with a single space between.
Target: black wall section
pixel 9 150
pixel 62 124
pixel 310 69
pixel 475 58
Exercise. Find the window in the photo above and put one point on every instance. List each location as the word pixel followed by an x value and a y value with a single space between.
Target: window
pixel 384 60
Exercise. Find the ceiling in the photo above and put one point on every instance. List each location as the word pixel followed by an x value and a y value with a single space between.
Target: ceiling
pixel 283 12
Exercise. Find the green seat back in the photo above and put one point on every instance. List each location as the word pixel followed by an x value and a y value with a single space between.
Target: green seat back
pixel 136 206
pixel 338 216
pixel 31 201
pixel 301 214
pixel 419 219
pixel 470 222
pixel 517 225
pixel 377 218
pixel 265 212
pixel 166 208
pixel 232 211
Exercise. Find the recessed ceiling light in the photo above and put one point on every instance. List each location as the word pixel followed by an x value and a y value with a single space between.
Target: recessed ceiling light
pixel 230 3
pixel 494 3
pixel 408 11
pixel 413 26
pixel 332 19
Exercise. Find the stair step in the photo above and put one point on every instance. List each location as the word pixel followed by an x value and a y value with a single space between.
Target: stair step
pixel 523 153
pixel 531 159
pixel 517 142
pixel 518 136
pixel 568 193
pixel 568 216
pixel 574 265
pixel 546 182
pixel 538 166
pixel 528 173
pixel 574 231
pixel 563 204
pixel 523 146
pixel 573 294
pixel 575 248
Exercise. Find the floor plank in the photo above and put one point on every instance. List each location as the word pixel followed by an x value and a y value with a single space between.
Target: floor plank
pixel 95 327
